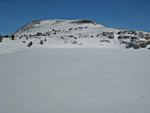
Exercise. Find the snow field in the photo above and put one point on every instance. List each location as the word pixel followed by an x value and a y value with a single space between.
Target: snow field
pixel 44 80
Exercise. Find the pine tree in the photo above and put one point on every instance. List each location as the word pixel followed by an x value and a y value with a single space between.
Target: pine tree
pixel 1 38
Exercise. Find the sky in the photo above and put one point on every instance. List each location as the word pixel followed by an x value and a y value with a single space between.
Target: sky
pixel 124 14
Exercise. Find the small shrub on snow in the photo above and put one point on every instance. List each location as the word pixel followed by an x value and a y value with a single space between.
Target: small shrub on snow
pixel 105 41
pixel 70 36
pixel 148 42
pixel 111 36
pixel 30 44
pixel 80 27
pixel 97 35
pixel 134 38
pixel 23 41
pixel 70 29
pixel 75 38
pixel 62 37
pixel 39 34
pixel 141 35
pixel 133 45
pixel 143 45
pixel 120 32
pixel 20 37
pixel 147 36
pixel 41 42
pixel 74 42
pixel 123 37
pixel 107 33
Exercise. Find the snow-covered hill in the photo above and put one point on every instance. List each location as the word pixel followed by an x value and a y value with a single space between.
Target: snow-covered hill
pixel 73 34
pixel 43 79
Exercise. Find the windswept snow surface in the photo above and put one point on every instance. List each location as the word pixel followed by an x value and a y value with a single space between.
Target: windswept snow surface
pixel 75 81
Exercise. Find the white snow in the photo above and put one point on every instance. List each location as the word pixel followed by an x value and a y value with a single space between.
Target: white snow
pixel 83 73
pixel 47 25
pixel 65 34
pixel 44 80
pixel 10 46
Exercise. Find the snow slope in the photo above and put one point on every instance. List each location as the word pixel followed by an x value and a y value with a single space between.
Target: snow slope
pixel 73 34
pixel 48 25
pixel 75 81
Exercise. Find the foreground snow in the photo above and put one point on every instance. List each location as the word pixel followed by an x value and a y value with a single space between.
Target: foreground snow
pixel 75 81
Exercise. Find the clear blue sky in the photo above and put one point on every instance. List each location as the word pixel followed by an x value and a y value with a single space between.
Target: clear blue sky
pixel 127 14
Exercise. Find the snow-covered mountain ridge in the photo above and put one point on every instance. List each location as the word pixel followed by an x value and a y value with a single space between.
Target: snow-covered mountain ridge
pixel 75 33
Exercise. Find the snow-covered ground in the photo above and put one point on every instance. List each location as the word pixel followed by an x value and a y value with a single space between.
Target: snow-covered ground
pixel 44 80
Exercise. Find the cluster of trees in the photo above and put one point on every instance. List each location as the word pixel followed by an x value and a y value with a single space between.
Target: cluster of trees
pixel 141 44
pixel 136 44
pixel 35 35
pixel 134 38
pixel 40 34
pixel 31 43
pixel 140 34
pixel 110 35
pixel 128 37
pixel 1 38
pixel 78 28
pixel 127 32
pixel 53 32
pixel 12 37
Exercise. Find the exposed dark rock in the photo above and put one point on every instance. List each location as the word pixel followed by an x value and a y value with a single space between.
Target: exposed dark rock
pixel 104 41
pixel 83 22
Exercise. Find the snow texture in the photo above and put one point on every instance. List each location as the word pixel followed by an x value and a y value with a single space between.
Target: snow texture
pixel 43 80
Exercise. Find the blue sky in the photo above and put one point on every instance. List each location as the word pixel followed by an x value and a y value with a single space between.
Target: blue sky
pixel 127 14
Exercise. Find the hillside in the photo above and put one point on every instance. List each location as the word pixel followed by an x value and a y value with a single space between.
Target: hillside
pixel 101 69
pixel 75 34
